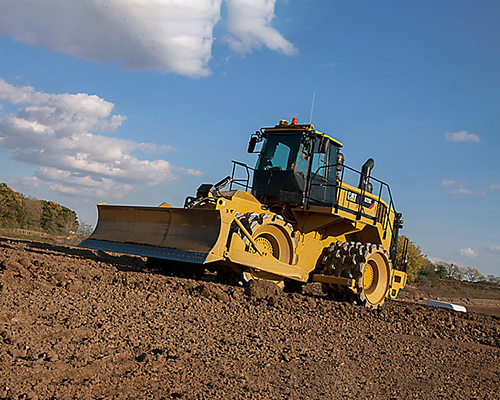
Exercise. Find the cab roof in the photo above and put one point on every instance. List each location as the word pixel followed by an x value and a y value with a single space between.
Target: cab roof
pixel 284 127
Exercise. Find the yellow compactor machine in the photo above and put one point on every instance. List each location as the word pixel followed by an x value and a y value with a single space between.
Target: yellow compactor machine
pixel 292 219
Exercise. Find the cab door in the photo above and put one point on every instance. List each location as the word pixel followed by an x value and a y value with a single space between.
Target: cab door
pixel 323 177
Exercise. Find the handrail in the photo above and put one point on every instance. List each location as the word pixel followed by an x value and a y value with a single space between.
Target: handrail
pixel 242 182
pixel 338 185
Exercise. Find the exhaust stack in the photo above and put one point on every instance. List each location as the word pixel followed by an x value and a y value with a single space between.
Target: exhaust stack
pixel 364 180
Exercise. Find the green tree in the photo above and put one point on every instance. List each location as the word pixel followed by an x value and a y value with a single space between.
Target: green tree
pixel 18 211
pixel 416 260
pixel 428 275
pixel 11 208
pixel 441 271
pixel 495 280
pixel 472 274
pixel 57 219
pixel 84 228
pixel 68 221
pixel 454 272
pixel 32 212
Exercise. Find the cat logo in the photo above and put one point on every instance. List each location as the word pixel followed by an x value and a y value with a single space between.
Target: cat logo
pixel 352 196
pixel 366 201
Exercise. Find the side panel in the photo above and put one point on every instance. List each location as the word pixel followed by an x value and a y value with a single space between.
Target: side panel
pixel 309 252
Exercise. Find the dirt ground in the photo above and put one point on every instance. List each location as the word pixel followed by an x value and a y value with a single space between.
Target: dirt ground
pixel 81 324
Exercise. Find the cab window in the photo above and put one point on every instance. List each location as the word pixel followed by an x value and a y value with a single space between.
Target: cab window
pixel 279 152
pixel 319 162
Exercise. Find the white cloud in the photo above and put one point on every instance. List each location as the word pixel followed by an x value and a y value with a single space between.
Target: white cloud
pixel 249 21
pixel 462 136
pixel 448 182
pixel 468 252
pixel 161 35
pixel 459 188
pixel 53 131
pixel 494 187
pixel 31 182
pixel 462 190
pixel 494 249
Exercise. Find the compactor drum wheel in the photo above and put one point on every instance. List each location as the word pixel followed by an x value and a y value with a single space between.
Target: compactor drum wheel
pixel 367 264
pixel 273 237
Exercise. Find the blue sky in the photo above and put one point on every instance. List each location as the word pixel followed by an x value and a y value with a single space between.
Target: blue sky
pixel 139 102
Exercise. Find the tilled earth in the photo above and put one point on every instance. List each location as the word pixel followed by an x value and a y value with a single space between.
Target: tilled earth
pixel 80 324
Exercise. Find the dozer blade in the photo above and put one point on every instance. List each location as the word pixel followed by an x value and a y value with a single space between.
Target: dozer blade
pixel 170 233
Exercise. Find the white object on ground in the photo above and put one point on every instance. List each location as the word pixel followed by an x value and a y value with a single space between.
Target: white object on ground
pixel 442 304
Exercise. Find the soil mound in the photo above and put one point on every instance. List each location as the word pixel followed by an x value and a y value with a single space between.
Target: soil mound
pixel 82 324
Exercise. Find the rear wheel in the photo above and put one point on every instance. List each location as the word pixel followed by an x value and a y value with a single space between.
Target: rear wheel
pixel 373 284
pixel 367 264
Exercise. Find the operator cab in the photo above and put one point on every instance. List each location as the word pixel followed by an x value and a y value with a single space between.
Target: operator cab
pixel 296 165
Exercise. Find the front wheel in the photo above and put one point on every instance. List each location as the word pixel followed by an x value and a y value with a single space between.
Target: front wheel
pixel 273 237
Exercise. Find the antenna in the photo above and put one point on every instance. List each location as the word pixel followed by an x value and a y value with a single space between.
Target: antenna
pixel 312 108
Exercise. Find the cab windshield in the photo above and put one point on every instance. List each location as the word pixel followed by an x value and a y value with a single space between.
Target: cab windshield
pixel 283 152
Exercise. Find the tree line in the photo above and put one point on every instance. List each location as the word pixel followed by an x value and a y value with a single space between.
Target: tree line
pixel 422 270
pixel 19 211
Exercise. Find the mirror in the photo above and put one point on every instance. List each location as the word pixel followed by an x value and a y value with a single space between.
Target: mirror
pixel 252 143
pixel 340 161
